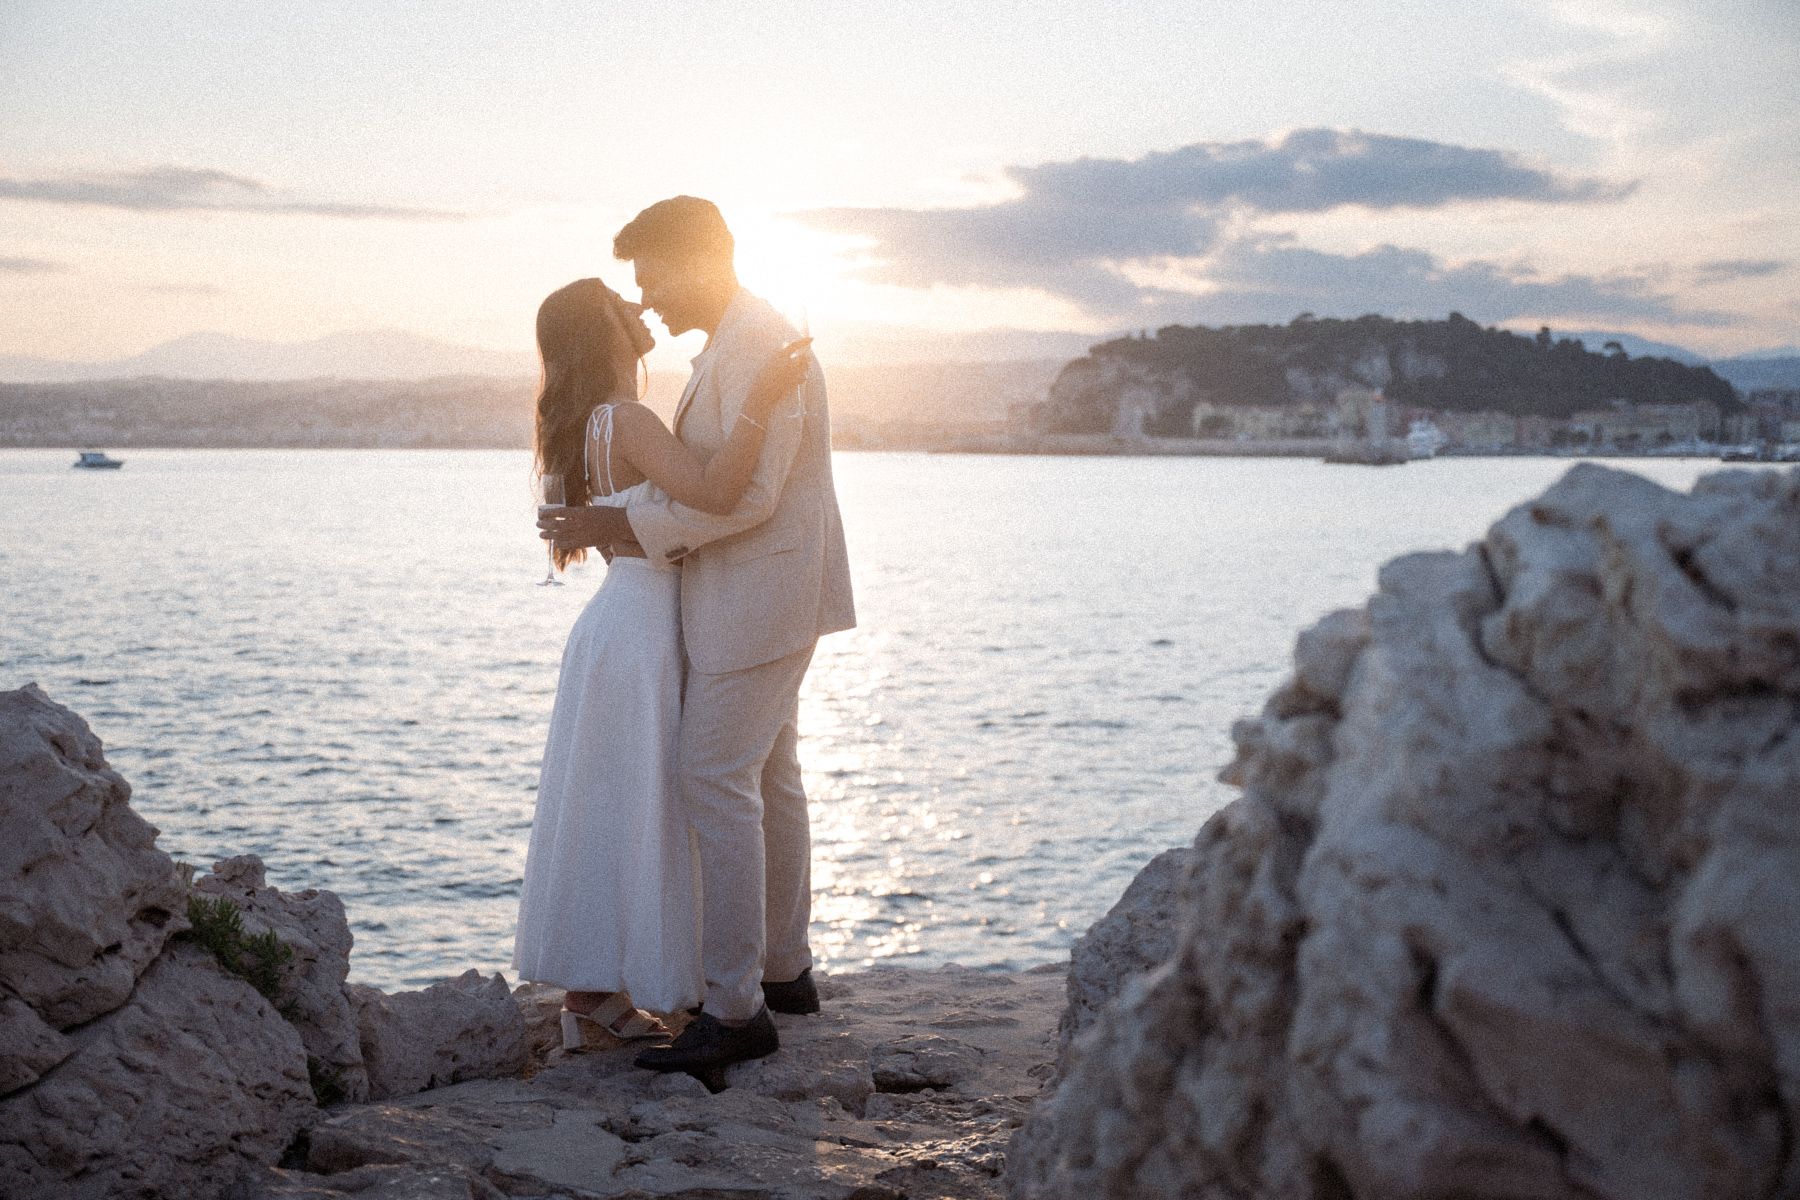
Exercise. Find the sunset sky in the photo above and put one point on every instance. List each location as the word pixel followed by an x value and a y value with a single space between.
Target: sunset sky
pixel 907 173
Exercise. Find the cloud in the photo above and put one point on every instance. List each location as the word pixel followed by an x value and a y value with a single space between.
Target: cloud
pixel 1074 224
pixel 1701 86
pixel 1727 270
pixel 189 189
pixel 1273 278
pixel 30 266
pixel 1059 248
pixel 1309 170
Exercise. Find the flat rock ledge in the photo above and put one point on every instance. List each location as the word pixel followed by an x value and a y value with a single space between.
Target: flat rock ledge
pixel 910 1083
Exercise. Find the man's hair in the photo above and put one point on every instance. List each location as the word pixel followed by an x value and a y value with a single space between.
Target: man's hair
pixel 684 227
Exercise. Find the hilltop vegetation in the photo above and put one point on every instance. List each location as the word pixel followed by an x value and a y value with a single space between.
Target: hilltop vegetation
pixel 1451 365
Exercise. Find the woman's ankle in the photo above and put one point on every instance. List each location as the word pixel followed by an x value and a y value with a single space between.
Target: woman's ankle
pixel 585 1002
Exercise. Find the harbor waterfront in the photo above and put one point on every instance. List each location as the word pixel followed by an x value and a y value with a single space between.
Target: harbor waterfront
pixel 336 660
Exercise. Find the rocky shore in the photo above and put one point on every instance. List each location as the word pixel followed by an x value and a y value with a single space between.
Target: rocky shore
pixel 1507 909
pixel 163 1036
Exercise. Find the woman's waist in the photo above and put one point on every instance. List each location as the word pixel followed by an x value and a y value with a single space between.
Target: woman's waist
pixel 636 561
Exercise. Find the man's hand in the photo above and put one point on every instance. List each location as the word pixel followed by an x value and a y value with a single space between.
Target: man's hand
pixel 580 526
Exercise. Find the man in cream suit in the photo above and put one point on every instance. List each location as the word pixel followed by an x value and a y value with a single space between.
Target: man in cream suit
pixel 759 587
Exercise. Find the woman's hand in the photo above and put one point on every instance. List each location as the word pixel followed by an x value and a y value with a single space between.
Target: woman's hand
pixel 580 526
pixel 778 379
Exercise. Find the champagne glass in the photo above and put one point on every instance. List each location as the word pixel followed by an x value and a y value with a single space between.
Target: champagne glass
pixel 800 392
pixel 550 491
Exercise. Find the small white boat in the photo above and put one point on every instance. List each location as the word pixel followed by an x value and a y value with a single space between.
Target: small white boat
pixel 98 460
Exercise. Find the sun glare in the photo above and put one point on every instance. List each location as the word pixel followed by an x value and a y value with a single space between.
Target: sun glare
pixel 798 270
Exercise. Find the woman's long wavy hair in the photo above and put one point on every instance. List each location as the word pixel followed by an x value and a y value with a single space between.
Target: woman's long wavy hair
pixel 580 347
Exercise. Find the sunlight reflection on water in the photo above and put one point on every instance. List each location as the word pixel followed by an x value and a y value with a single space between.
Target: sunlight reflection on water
pixel 336 660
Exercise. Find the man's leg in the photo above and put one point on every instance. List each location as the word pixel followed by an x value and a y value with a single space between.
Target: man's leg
pixel 729 726
pixel 787 853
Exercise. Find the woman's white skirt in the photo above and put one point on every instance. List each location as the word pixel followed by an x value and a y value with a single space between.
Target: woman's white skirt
pixel 609 897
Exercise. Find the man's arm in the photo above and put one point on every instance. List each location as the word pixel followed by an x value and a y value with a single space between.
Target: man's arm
pixel 668 530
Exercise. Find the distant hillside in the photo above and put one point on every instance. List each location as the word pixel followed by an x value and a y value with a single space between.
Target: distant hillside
pixel 359 354
pixel 1779 368
pixel 1637 347
pixel 863 347
pixel 1451 365
pixel 436 413
pixel 1755 374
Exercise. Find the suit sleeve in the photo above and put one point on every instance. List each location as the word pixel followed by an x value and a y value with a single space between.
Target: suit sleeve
pixel 670 531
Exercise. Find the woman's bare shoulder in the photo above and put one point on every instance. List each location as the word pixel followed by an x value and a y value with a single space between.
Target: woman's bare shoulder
pixel 635 415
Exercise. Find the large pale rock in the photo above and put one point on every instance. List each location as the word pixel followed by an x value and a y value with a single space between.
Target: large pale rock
pixel 86 898
pixel 189 1089
pixel 1507 906
pixel 462 1028
pixel 313 991
pixel 1136 934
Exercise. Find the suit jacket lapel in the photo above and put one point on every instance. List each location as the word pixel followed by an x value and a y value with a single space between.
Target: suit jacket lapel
pixel 687 395
pixel 704 360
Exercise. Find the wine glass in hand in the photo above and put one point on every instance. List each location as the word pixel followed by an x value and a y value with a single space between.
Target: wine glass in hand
pixel 805 336
pixel 550 491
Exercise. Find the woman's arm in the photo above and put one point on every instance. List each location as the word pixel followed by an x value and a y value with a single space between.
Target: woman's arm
pixel 712 485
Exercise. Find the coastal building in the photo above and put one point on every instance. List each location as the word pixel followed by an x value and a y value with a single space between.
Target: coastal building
pixel 1138 404
pixel 1480 432
pixel 1633 427
pixel 1772 415
pixel 1364 412
pixel 1424 439
pixel 1262 422
pixel 1536 433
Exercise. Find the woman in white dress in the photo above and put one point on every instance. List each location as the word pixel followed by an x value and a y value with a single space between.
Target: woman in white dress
pixel 608 909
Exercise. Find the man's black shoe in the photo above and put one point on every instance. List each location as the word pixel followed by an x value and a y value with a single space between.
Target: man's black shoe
pixel 709 1045
pixel 796 997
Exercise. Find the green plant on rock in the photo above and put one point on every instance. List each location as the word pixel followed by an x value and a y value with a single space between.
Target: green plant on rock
pixel 327 1082
pixel 258 959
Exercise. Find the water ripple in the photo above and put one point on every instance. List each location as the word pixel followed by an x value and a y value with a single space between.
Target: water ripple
pixel 355 684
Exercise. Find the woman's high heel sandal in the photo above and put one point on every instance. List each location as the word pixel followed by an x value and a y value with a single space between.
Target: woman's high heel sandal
pixel 616 1017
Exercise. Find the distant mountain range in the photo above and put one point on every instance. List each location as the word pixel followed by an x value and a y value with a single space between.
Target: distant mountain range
pixel 358 354
pixel 1749 373
pixel 392 354
pixel 1633 345
pixel 1776 367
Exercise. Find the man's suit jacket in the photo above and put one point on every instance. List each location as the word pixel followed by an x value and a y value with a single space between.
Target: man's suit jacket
pixel 771 576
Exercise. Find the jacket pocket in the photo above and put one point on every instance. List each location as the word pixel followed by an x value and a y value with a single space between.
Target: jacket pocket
pixel 757 547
